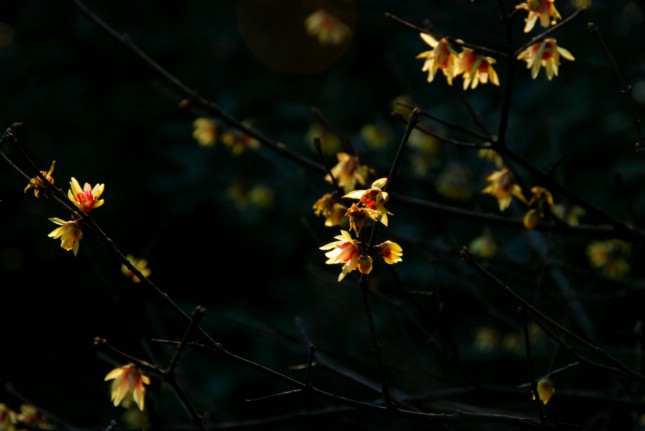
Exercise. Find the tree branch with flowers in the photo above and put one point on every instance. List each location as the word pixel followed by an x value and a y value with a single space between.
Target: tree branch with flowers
pixel 495 244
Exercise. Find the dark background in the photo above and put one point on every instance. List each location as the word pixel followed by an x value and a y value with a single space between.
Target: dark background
pixel 106 117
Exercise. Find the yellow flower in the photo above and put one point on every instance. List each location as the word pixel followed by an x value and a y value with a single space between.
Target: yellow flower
pixel 128 385
pixel 443 56
pixel 348 171
pixel 205 131
pixel 373 200
pixel 476 68
pixel 483 246
pixel 569 214
pixel 545 388
pixel 239 141
pixel 541 200
pixel 345 251
pixel 503 187
pixel 86 198
pixel 140 264
pixel 610 257
pixel 543 9
pixel 37 184
pixel 333 211
pixel 329 29
pixel 491 155
pixel 69 232
pixel 31 416
pixel 545 54
pixel 7 418
pixel 390 251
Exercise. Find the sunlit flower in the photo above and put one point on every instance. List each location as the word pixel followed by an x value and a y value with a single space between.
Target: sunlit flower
pixel 545 54
pixel 37 184
pixel 329 29
pixel 7 418
pixel 454 182
pixel 140 264
pixel 365 263
pixel 443 56
pixel 483 246
pixel 128 385
pixel 86 198
pixel 348 171
pixel 239 141
pixel 29 415
pixel 503 187
pixel 345 251
pixel 545 389
pixel 332 211
pixel 205 131
pixel 476 68
pixel 373 200
pixel 390 251
pixel 610 257
pixel 543 9
pixel 377 136
pixel 539 203
pixel 69 232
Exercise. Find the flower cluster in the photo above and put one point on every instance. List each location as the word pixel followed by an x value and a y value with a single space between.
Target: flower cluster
pixel 350 251
pixel 206 133
pixel 327 28
pixel 140 264
pixel 85 199
pixel 476 68
pixel 29 417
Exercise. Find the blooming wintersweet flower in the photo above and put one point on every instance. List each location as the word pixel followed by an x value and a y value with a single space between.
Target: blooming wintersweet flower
pixel 373 200
pixel 38 184
pixel 69 232
pixel 327 207
pixel 570 214
pixel 205 131
pixel 327 28
pixel 86 198
pixel 442 56
pixel 140 264
pixel 545 389
pixel 502 186
pixel 239 141
pixel 7 418
pixel 128 385
pixel 390 251
pixel 32 417
pixel 544 10
pixel 539 203
pixel 545 54
pixel 476 68
pixel 345 251
pixel 348 171
pixel 610 257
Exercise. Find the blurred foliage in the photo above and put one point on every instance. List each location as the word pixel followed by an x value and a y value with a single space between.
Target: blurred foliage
pixel 104 116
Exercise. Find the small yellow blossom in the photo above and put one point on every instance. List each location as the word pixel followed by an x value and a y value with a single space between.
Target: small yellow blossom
pixel 327 207
pixel 540 202
pixel 29 415
pixel 373 201
pixel 543 9
pixel 348 171
pixel 140 264
pixel 570 214
pixel 390 251
pixel 545 54
pixel 239 141
pixel 128 385
pixel 545 388
pixel 483 246
pixel 37 184
pixel 476 68
pixel 503 187
pixel 205 131
pixel 491 155
pixel 69 232
pixel 260 196
pixel 345 251
pixel 486 338
pixel 7 418
pixel 86 198
pixel 443 56
pixel 357 217
pixel 329 29
pixel 610 257
pixel 365 263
